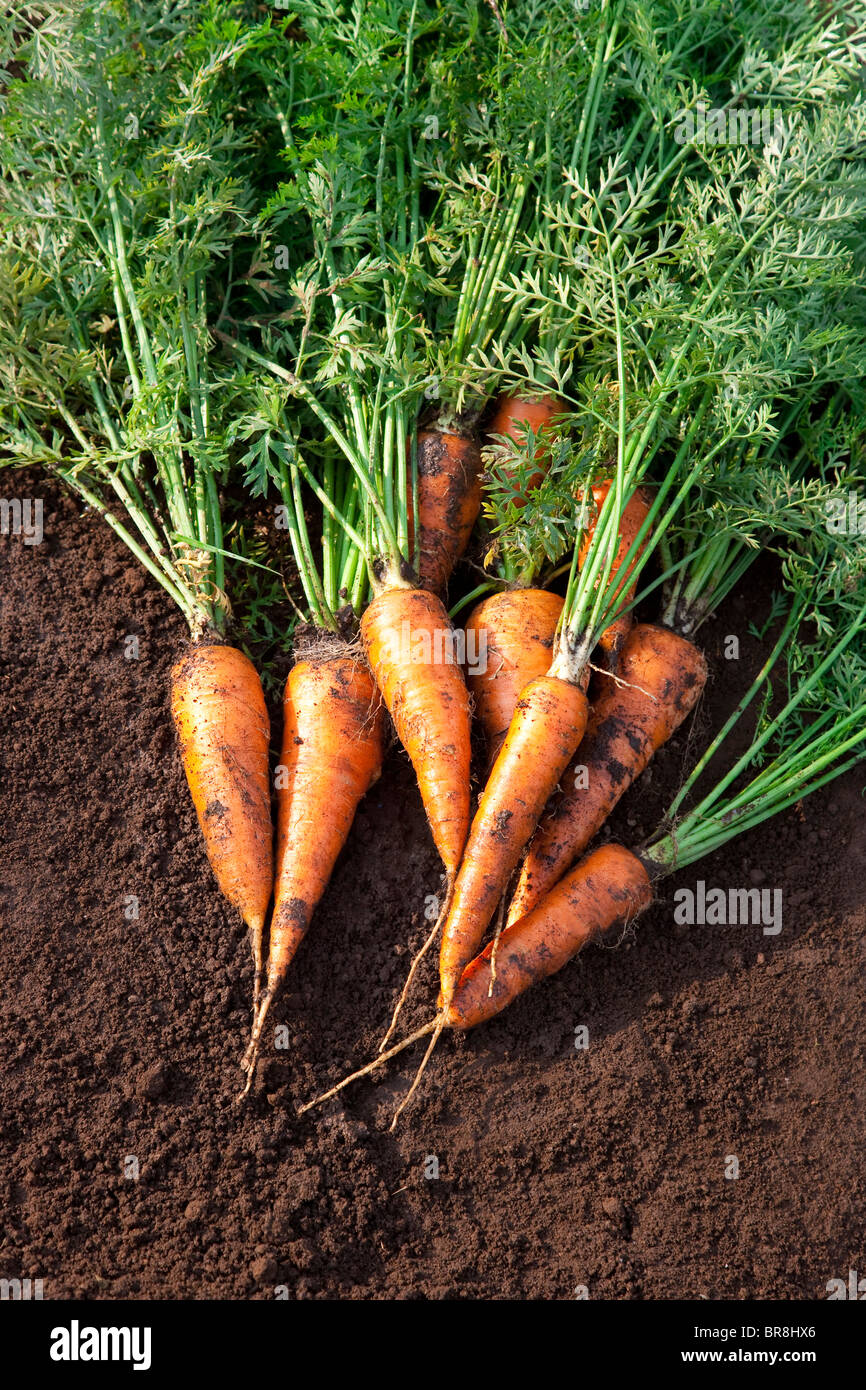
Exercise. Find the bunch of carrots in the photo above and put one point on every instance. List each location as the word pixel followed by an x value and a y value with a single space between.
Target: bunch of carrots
pixel 455 292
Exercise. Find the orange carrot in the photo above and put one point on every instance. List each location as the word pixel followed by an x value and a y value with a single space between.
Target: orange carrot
pixel 513 632
pixel 333 743
pixel 219 712
pixel 633 516
pixel 547 727
pixel 606 891
pixel 410 646
pixel 660 679
pixel 513 416
pixel 449 500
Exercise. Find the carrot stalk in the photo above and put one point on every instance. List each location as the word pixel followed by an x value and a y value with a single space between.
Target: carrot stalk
pixel 631 520
pixel 222 723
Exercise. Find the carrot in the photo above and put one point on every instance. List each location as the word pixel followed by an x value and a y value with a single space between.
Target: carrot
pixel 514 634
pixel 661 677
pixel 513 417
pixel 410 646
pixel 606 891
pixel 219 712
pixel 633 516
pixel 333 744
pixel 545 732
pixel 547 727
pixel 449 500
pixel 612 886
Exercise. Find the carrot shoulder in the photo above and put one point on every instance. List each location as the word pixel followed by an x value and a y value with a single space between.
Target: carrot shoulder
pixel 513 417
pixel 633 516
pixel 222 723
pixel 661 677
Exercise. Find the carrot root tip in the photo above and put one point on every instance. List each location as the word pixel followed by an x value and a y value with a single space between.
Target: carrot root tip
pixel 419 956
pixel 439 1024
pixel 251 1056
pixel 371 1066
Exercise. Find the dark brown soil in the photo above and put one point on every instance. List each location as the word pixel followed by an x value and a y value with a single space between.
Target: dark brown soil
pixel 557 1167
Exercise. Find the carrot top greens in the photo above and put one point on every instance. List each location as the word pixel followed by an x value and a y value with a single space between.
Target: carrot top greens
pixel 818 733
pixel 710 318
pixel 123 192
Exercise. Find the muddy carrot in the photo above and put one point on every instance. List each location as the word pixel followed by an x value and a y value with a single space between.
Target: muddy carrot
pixel 219 712
pixel 660 679
pixel 333 744
pixel 512 635
pixel 547 727
pixel 449 500
pixel 410 646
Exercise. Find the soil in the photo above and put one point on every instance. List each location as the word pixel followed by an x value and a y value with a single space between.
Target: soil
pixel 527 1167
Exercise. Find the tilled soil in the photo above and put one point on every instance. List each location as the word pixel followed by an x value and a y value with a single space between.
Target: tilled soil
pixel 527 1167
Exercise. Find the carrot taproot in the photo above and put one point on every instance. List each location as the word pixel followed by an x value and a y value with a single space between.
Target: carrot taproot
pixel 413 654
pixel 411 648
pixel 633 516
pixel 606 891
pixel 512 634
pixel 333 745
pixel 547 727
pixel 218 709
pixel 449 500
pixel 513 417
pixel 661 677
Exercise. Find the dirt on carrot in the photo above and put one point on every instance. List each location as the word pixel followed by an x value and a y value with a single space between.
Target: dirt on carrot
pixel 661 676
pixel 557 1165
pixel 218 707
pixel 449 500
